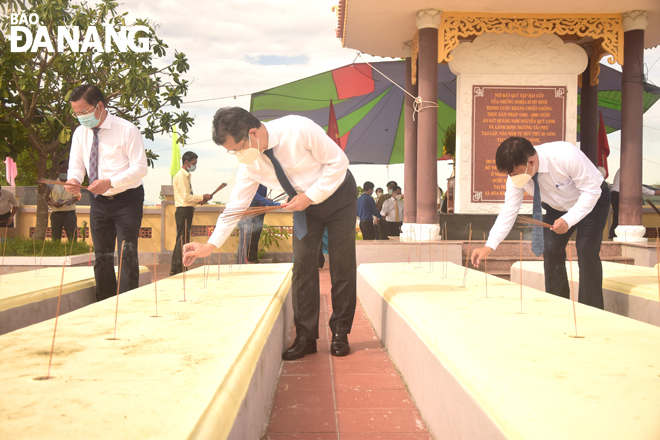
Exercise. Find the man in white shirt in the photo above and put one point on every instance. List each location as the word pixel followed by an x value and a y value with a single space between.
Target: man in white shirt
pixel 615 201
pixel 63 204
pixel 295 155
pixel 110 151
pixel 574 195
pixel 8 208
pixel 392 212
pixel 185 202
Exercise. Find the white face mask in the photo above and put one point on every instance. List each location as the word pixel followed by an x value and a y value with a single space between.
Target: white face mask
pixel 248 156
pixel 398 196
pixel 520 180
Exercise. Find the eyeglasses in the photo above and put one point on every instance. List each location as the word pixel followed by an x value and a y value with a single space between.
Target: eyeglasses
pixel 86 112
pixel 233 152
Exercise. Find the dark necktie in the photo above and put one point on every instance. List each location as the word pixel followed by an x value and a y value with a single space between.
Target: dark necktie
pixel 94 159
pixel 537 232
pixel 299 217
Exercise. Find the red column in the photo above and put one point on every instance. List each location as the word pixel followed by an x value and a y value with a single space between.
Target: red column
pixel 410 150
pixel 589 116
pixel 427 129
pixel 632 110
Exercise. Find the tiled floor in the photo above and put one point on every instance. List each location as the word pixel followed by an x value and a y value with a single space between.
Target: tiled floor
pixel 360 396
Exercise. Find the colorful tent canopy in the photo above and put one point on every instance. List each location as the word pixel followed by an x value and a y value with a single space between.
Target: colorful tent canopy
pixel 369 107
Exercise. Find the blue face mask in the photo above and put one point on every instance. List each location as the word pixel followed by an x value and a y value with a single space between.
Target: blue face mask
pixel 89 120
pixel 63 177
pixel 192 168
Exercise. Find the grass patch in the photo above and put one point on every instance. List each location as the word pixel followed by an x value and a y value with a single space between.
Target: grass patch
pixel 23 247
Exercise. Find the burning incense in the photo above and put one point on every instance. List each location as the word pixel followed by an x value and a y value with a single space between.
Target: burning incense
pixel 222 185
pixel 121 257
pixel 467 259
pixel 526 221
pixel 57 182
pixel 57 315
pixel 236 215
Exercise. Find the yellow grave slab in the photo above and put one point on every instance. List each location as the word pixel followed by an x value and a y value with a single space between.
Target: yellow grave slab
pixel 628 290
pixel 477 368
pixel 184 374
pixel 30 297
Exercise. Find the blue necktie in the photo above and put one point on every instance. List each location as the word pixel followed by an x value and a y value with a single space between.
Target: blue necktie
pixel 94 159
pixel 537 232
pixel 299 217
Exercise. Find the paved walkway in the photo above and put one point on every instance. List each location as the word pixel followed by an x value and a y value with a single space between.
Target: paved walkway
pixel 360 396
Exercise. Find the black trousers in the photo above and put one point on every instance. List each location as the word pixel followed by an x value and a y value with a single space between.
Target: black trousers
pixel 395 229
pixel 249 233
pixel 66 220
pixel 367 228
pixel 337 213
pixel 615 213
pixel 588 241
pixel 383 229
pixel 3 219
pixel 113 221
pixel 183 217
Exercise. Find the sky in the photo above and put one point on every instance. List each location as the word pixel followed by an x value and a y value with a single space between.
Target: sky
pixel 238 47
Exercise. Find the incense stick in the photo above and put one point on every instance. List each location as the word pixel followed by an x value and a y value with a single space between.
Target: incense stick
pixel 70 252
pixel 486 267
pixel 57 182
pixel 572 289
pixel 521 276
pixel 183 277
pixel 121 257
pixel 218 264
pixel 446 263
pixel 467 259
pixel 57 315
pixel 35 252
pixel 526 221
pixel 4 247
pixel 42 254
pixel 222 185
pixel 657 257
pixel 625 249
pixel 156 280
pixel 653 206
pixel 235 215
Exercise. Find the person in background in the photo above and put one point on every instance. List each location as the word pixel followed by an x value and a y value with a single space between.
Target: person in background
pixel 383 227
pixel 249 230
pixel 63 204
pixel 615 201
pixel 185 202
pixel 378 194
pixel 366 211
pixel 8 208
pixel 393 212
pixel 110 150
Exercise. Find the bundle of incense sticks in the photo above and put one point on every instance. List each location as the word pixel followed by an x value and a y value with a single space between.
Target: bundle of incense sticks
pixel 527 221
pixel 653 206
pixel 235 215
pixel 57 182
pixel 280 197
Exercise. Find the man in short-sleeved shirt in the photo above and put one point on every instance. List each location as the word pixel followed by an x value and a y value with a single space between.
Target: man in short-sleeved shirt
pixel 8 208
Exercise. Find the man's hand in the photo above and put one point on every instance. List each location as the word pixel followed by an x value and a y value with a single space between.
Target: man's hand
pixel 72 189
pixel 560 226
pixel 376 221
pixel 298 203
pixel 101 186
pixel 479 254
pixel 58 205
pixel 193 250
pixel 207 197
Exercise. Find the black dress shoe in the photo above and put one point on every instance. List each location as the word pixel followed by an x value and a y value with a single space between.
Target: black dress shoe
pixel 339 346
pixel 301 346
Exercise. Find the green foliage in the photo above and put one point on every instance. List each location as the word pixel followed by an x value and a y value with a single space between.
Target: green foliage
pixel 449 142
pixel 24 247
pixel 270 236
pixel 35 114
pixel 360 191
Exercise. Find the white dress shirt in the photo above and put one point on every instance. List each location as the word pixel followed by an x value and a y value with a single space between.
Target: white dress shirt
pixel 389 209
pixel 7 201
pixel 615 186
pixel 313 163
pixel 122 158
pixel 568 180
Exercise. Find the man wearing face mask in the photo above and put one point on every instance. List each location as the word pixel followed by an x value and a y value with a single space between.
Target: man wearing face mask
pixel 393 212
pixel 110 151
pixel 383 226
pixel 295 155
pixel 63 204
pixel 185 202
pixel 574 195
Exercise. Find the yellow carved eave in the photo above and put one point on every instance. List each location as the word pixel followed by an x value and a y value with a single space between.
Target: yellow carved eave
pixel 606 27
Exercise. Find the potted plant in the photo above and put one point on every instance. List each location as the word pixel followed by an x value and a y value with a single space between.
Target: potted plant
pixel 270 236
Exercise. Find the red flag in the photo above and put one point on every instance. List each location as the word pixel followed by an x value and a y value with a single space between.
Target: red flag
pixel 603 146
pixel 333 129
